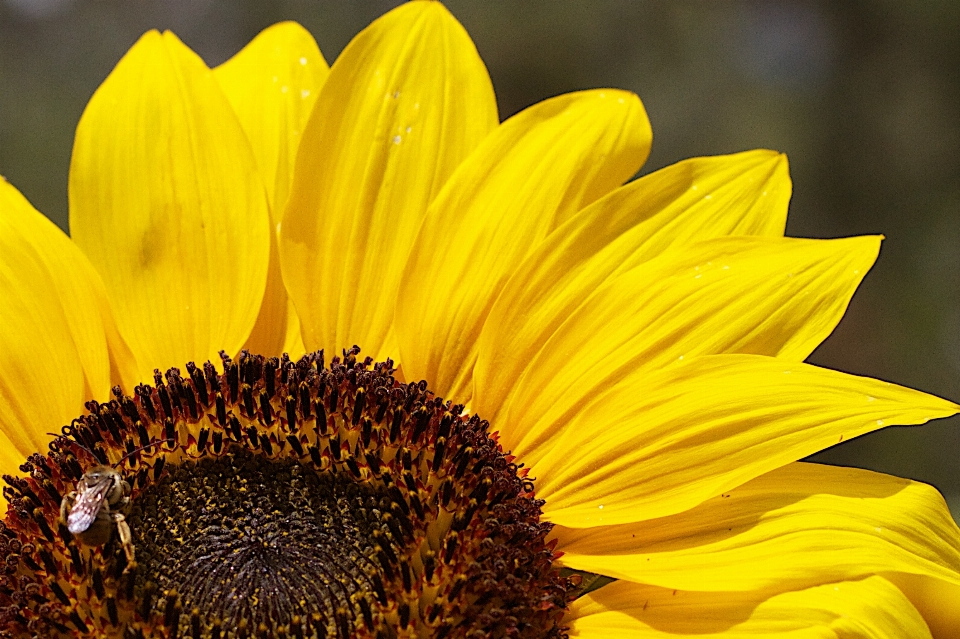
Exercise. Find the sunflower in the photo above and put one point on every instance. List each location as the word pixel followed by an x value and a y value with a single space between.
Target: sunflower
pixel 606 442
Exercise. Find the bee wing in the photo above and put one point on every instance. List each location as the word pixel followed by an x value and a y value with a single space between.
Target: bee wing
pixel 87 505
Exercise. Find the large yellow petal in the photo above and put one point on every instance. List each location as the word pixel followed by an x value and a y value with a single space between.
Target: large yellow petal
pixel 694 200
pixel 537 170
pixel 658 444
pixel 55 329
pixel 869 609
pixel 766 296
pixel 272 85
pixel 166 201
pixel 795 527
pixel 702 198
pixel 405 102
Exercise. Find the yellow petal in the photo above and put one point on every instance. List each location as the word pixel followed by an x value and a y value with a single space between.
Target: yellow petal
pixel 166 201
pixel 53 329
pixel 11 457
pixel 873 608
pixel 701 198
pixel 658 444
pixel 538 169
pixel 742 194
pixel 766 296
pixel 272 85
pixel 797 526
pixel 694 200
pixel 936 601
pixel 277 329
pixel 405 102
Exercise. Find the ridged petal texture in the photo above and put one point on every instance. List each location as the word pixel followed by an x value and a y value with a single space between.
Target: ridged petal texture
pixel 533 173
pixel 657 444
pixel 167 203
pixel 405 102
pixel 869 609
pixel 758 295
pixel 767 296
pixel 55 329
pixel 272 85
pixel 795 527
pixel 694 200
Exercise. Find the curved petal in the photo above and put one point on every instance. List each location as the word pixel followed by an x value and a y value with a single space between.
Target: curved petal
pixel 659 444
pixel 167 203
pixel 272 85
pixel 11 455
pixel 794 527
pixel 936 601
pixel 537 170
pixel 405 102
pixel 698 199
pixel 56 328
pixel 767 296
pixel 277 329
pixel 869 609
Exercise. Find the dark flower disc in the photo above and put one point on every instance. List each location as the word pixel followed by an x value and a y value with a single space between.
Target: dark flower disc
pixel 283 499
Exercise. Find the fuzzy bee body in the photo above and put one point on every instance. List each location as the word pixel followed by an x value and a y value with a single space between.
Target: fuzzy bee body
pixel 96 506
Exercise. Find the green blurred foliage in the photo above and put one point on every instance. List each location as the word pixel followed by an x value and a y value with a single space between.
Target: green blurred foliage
pixel 864 97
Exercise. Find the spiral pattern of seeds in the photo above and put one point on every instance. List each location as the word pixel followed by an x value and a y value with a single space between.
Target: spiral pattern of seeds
pixel 293 543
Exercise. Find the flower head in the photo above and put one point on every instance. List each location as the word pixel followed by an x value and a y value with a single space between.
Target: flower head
pixel 614 380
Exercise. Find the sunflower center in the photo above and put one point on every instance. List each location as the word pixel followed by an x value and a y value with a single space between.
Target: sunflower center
pixel 282 498
pixel 261 542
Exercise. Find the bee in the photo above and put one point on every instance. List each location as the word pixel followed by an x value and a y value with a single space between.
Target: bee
pixel 96 506
pixel 99 502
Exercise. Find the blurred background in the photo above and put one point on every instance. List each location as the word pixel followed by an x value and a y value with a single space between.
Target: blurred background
pixel 863 96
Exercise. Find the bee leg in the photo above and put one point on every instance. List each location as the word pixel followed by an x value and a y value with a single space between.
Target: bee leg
pixel 65 506
pixel 126 539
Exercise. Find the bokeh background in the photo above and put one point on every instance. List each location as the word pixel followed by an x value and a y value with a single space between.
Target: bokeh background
pixel 863 96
